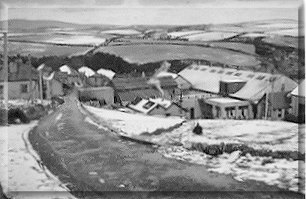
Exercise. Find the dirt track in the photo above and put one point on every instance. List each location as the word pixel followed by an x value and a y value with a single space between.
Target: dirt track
pixel 87 158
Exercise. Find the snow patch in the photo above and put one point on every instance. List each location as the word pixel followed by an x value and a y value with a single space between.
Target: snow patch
pixel 58 117
pixel 133 124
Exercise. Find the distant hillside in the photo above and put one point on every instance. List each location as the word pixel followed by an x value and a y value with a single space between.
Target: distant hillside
pixel 27 25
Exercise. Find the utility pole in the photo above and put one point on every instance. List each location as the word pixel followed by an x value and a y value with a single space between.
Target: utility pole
pixel 40 68
pixel 30 78
pixel 5 71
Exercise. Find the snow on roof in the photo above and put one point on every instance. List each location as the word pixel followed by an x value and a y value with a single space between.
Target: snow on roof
pixel 108 73
pixel 299 90
pixel 207 78
pixel 147 105
pixel 87 71
pixel 162 102
pixel 224 100
pixel 65 69
pixel 166 74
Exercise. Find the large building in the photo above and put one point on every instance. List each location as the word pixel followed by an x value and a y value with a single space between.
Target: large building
pixel 199 83
pixel 22 81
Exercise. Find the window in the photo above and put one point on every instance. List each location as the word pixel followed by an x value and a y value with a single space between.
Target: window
pixel 260 77
pixel 279 113
pixel 212 70
pixel 148 105
pixel 136 100
pixel 229 73
pixel 237 74
pixel 251 76
pixel 1 89
pixel 24 88
pixel 221 71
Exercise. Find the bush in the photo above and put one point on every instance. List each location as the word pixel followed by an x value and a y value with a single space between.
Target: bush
pixel 16 113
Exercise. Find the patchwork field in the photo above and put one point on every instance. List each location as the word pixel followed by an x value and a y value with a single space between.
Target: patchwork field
pixel 142 53
pixel 40 50
pixel 69 39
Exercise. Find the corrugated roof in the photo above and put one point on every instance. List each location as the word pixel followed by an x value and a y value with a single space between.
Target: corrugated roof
pixel 207 78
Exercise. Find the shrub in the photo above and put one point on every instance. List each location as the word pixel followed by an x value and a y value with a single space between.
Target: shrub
pixel 16 113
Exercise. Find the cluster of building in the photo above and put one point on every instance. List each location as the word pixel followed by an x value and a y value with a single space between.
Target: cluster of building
pixel 198 91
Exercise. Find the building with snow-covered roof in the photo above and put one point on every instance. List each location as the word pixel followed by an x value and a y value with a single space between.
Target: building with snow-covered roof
pixel 86 71
pixel 157 106
pixel 108 73
pixel 238 84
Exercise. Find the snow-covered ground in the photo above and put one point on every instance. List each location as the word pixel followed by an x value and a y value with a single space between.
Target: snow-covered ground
pixel 121 32
pixel 20 169
pixel 259 134
pixel 209 36
pixel 133 124
pixel 77 40
pixel 23 103
pixel 278 172
pixel 184 33
pixel 286 32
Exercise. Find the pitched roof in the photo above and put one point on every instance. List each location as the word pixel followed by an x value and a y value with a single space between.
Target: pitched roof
pixel 130 95
pixel 147 105
pixel 207 78
pixel 87 71
pixel 141 83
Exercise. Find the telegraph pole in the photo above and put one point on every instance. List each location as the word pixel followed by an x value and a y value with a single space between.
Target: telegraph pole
pixel 5 71
pixel 4 30
pixel 30 78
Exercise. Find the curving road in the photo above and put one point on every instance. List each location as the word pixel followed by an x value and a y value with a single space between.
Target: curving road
pixel 89 158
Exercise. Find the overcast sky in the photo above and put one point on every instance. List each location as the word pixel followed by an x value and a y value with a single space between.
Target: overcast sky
pixel 127 12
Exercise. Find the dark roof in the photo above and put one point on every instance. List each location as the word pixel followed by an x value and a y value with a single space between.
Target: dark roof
pixel 130 95
pixel 134 83
pixel 23 73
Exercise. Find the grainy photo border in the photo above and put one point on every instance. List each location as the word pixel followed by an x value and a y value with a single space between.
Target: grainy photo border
pixel 301 18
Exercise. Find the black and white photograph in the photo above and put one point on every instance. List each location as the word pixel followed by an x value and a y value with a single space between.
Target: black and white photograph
pixel 168 99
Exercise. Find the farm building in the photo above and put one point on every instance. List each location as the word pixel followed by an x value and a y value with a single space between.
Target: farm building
pixel 22 81
pixel 298 102
pixel 247 86
pixel 128 89
pixel 157 106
